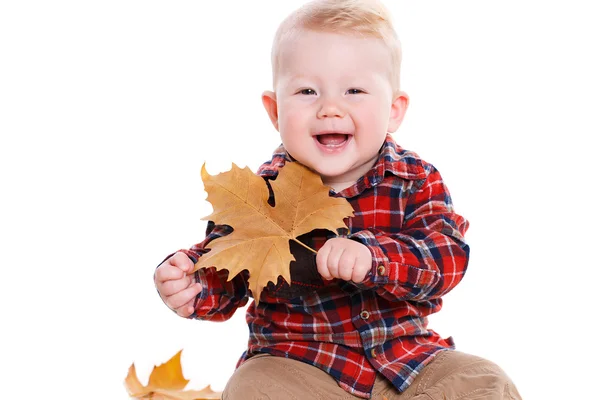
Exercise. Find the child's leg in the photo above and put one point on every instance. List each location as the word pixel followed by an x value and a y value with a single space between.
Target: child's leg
pixel 267 377
pixel 453 375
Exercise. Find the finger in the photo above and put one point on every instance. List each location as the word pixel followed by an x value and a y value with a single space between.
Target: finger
pixel 186 310
pixel 333 262
pixel 181 298
pixel 171 287
pixel 182 261
pixel 166 272
pixel 344 268
pixel 322 255
pixel 347 264
pixel 364 263
pixel 359 272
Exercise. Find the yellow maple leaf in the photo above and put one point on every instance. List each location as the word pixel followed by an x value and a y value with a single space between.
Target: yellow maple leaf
pixel 166 382
pixel 261 233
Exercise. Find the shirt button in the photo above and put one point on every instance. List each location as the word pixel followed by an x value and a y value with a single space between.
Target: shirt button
pixel 364 314
pixel 373 353
pixel 381 270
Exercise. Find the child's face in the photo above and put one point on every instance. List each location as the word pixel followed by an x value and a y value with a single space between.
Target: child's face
pixel 334 103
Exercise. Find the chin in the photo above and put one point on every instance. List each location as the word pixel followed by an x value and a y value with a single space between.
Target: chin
pixel 330 173
pixel 328 168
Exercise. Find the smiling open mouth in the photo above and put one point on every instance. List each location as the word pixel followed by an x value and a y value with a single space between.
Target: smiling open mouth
pixel 332 140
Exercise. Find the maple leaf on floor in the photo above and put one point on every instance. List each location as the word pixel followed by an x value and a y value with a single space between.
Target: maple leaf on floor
pixel 261 233
pixel 166 382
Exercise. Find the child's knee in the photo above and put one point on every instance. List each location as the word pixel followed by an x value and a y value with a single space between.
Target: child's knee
pixel 457 374
pixel 270 377
pixel 256 379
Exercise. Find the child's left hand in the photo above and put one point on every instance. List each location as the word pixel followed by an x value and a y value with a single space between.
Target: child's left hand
pixel 344 259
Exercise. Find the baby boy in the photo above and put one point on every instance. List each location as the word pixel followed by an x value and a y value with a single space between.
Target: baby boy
pixel 352 323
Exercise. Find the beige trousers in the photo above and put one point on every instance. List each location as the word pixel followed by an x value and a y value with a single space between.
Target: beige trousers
pixel 451 376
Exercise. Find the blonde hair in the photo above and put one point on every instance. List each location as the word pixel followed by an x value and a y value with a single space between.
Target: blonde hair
pixel 368 18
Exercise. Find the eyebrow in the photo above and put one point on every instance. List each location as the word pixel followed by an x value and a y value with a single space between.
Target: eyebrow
pixel 354 79
pixel 297 77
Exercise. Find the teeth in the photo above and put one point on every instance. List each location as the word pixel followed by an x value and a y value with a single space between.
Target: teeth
pixel 332 140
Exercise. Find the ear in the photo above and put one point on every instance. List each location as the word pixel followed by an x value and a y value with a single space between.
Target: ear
pixel 269 100
pixel 399 106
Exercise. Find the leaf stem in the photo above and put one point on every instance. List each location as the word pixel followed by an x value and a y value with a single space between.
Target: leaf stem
pixel 305 246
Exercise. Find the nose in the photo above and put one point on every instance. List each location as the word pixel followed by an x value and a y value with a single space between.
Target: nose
pixel 330 108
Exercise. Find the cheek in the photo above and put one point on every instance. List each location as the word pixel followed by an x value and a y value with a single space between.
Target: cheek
pixel 379 116
pixel 371 119
pixel 292 121
pixel 373 125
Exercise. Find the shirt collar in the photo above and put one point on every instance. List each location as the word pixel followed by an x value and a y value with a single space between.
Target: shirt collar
pixel 393 159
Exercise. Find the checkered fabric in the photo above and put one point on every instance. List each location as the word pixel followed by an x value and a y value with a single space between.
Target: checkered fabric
pixel 404 215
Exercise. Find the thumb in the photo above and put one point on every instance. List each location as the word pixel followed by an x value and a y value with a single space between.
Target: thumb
pixel 183 262
pixel 187 265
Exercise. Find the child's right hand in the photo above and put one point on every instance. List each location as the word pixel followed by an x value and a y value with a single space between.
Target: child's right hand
pixel 176 288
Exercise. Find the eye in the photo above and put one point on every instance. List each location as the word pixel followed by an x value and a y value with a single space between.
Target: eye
pixel 355 91
pixel 307 91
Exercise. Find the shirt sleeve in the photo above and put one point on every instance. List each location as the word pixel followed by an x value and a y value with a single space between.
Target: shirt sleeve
pixel 429 255
pixel 219 298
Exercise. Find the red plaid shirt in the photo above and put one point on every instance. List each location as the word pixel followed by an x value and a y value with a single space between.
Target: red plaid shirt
pixel 404 215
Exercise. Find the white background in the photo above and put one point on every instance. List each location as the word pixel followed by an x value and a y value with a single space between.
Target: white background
pixel 109 108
